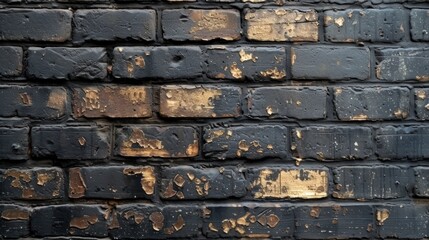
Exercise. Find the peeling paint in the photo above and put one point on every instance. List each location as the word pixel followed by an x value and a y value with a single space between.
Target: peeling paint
pixel 26 99
pixel 157 220
pixel 83 222
pixel 359 117
pixel 138 145
pixel 148 179
pixel 382 215
pixel 43 178
pixel 138 217
pixel 246 56
pixel 235 71
pixel 15 214
pixel 56 100
pixel 274 73
pixel 77 185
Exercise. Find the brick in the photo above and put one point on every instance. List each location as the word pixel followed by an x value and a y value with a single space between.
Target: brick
pixel 112 101
pixel 207 101
pixel 396 143
pixel 260 221
pixel 33 102
pixel 11 61
pixel 14 142
pixel 403 221
pixel 419 24
pixel 46 25
pixel 403 64
pixel 370 182
pixel 69 220
pixel 70 142
pixel 114 25
pixel 329 62
pixel 252 63
pixel 372 25
pixel 188 183
pixel 249 142
pixel 421 103
pixel 67 63
pixel 124 182
pixel 157 62
pixel 288 102
pixel 421 187
pixel 372 103
pixel 337 221
pixel 281 24
pixel 156 141
pixel 332 143
pixel 14 221
pixel 148 221
pixel 201 25
pixel 288 182
pixel 32 184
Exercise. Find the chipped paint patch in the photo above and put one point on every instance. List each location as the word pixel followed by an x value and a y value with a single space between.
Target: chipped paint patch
pixel 138 145
pixel 138 217
pixel 57 99
pixel 246 56
pixel 382 215
pixel 359 117
pixel 83 222
pixel 235 71
pixel 26 99
pixel 148 179
pixel 274 73
pixel 15 214
pixel 43 178
pixel 77 185
pixel 157 219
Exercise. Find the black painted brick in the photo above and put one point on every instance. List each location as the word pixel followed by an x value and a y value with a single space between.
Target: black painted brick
pixel 332 143
pixel 249 142
pixel 421 187
pixel 420 24
pixel 14 221
pixel 14 143
pixel 421 101
pixel 67 63
pixel 11 61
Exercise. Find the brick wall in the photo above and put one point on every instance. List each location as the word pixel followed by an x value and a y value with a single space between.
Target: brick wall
pixel 301 119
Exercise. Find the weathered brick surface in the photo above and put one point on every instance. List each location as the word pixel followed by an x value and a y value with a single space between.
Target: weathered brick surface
pixel 35 183
pixel 203 25
pixel 403 64
pixel 157 62
pixel 70 142
pixel 123 182
pixel 252 63
pixel 396 143
pixel 157 141
pixel 200 101
pixel 112 101
pixel 14 221
pixel 339 221
pixel 33 102
pixel 330 62
pixel 147 221
pixel 237 221
pixel 249 142
pixel 379 103
pixel 420 24
pixel 48 25
pixel 11 61
pixel 73 220
pixel 281 183
pixel 14 142
pixel 421 188
pixel 288 102
pixel 114 25
pixel 421 103
pixel 370 182
pixel 67 63
pixel 373 25
pixel 188 183
pixel 332 143
pixel 281 24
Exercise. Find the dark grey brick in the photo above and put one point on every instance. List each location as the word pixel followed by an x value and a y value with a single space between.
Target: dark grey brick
pixel 337 221
pixel 70 142
pixel 421 187
pixel 33 102
pixel 250 142
pixel 420 24
pixel 35 25
pixel 372 103
pixel 252 63
pixel 11 61
pixel 421 100
pixel 157 62
pixel 403 64
pixel 373 25
pixel 67 63
pixel 332 143
pixel 371 182
pixel 14 142
pixel 330 62
pixel 65 220
pixel 396 143
pixel 288 102
pixel 114 25
pixel 202 183
pixel 14 221
pixel 123 182
pixel 30 184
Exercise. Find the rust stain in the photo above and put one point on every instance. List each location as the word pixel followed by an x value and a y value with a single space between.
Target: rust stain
pixel 138 145
pixel 179 180
pixel 382 215
pixel 83 222
pixel 139 61
pixel 15 214
pixel 26 99
pixel 77 185
pixel 57 99
pixel 138 217
pixel 43 178
pixel 179 224
pixel 359 117
pixel 157 220
pixel 274 73
pixel 294 183
pixel 246 56
pixel 148 178
pixel 235 71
